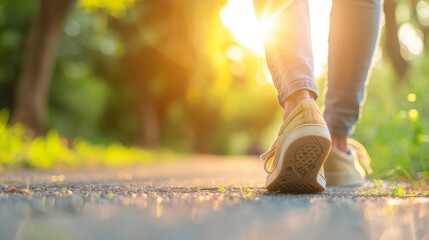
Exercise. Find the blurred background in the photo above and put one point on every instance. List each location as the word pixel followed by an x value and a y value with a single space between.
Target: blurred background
pixel 117 82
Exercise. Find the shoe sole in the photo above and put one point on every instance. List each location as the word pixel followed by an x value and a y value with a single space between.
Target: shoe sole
pixel 343 179
pixel 302 155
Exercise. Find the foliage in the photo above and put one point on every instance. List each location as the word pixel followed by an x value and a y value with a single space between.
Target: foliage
pixel 394 189
pixel 168 73
pixel 53 151
pixel 15 17
pixel 115 8
pixel 394 127
pixel 195 108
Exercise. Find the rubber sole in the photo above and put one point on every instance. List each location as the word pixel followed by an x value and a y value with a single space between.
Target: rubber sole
pixel 302 155
pixel 343 179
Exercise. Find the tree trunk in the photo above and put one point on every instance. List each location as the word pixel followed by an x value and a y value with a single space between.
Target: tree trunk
pixel 392 45
pixel 35 76
pixel 151 130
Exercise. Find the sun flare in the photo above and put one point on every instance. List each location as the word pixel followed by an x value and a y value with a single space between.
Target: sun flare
pixel 238 16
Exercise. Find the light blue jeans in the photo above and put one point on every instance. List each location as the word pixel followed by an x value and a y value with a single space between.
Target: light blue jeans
pixel 353 36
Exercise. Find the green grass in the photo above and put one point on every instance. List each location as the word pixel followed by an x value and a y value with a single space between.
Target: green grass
pixel 394 189
pixel 395 123
pixel 17 149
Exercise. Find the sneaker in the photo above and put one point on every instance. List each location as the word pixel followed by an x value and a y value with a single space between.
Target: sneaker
pixel 297 155
pixel 342 169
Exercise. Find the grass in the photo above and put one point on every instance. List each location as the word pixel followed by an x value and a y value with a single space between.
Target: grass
pixel 395 123
pixel 17 149
pixel 381 188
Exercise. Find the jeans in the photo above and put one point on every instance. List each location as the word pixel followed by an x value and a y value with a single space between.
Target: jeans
pixel 353 36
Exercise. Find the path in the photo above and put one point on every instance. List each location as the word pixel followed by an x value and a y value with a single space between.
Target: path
pixel 201 197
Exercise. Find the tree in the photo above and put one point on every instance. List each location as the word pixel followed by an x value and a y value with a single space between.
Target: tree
pixel 35 76
pixel 392 45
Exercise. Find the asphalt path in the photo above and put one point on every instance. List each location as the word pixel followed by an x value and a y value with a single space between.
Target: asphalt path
pixel 199 197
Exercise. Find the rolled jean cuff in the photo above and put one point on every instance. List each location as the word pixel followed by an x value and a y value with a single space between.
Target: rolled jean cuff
pixel 291 88
pixel 340 129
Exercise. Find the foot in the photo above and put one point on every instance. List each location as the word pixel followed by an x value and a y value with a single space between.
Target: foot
pixel 347 169
pixel 297 155
pixel 295 99
pixel 340 143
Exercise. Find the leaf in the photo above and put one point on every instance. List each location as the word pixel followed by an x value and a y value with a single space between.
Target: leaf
pixel 398 192
pixel 16 190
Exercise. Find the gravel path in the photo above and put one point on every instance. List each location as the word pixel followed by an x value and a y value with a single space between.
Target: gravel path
pixel 201 197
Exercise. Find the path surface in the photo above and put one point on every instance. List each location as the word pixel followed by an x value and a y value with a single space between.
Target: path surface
pixel 198 198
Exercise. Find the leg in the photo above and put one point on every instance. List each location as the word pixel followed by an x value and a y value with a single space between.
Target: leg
pixel 288 50
pixel 303 141
pixel 352 39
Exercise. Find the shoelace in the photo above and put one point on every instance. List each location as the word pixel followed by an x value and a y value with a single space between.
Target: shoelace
pixel 272 150
pixel 363 156
pixel 269 154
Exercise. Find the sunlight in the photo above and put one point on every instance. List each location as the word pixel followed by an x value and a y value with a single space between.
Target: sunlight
pixel 320 11
pixel 412 39
pixel 423 12
pixel 238 17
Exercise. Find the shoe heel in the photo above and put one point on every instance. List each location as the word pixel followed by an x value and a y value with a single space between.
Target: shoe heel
pixel 302 156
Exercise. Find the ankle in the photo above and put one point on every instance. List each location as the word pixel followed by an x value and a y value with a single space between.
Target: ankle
pixel 340 143
pixel 293 100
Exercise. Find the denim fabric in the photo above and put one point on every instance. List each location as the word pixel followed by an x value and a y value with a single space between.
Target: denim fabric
pixel 352 39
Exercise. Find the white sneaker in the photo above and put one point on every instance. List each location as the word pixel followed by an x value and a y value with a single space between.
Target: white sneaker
pixel 297 155
pixel 342 169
